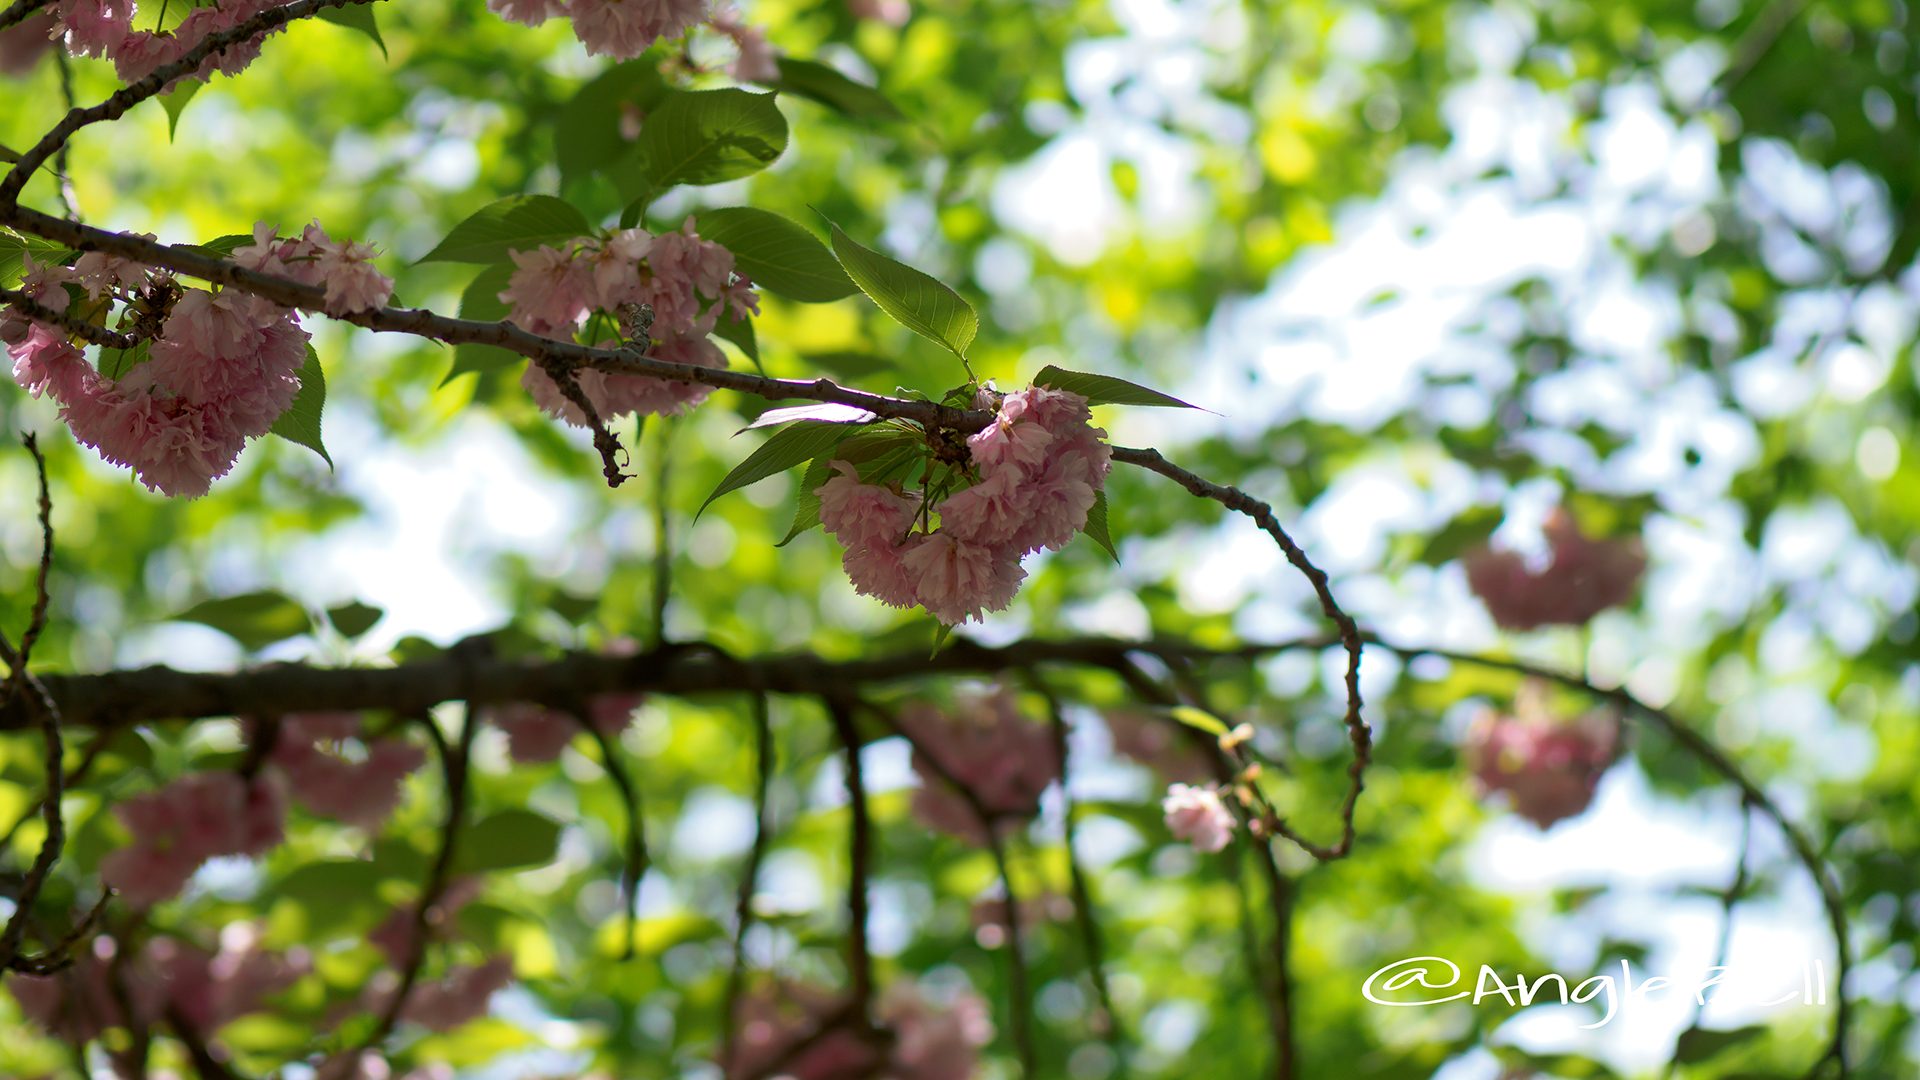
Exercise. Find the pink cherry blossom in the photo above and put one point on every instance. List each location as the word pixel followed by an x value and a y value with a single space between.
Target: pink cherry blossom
pixel 527 12
pixel 615 268
pixel 94 27
pixel 548 290
pixel 623 29
pixel 988 747
pixel 1154 742
pixel 353 283
pixel 879 569
pixel 181 826
pixel 1198 816
pixel 361 790
pixel 923 1041
pixel 1547 766
pixel 100 273
pixel 80 1003
pixel 209 989
pixel 1581 578
pixel 890 12
pixel 395 936
pixel 756 60
pixel 957 581
pixel 858 514
pixel 459 997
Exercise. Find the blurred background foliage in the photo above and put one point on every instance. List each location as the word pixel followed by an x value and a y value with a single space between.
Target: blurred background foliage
pixel 1432 265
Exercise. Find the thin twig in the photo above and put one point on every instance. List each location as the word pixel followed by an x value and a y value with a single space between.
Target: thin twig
pixel 637 858
pixel 860 864
pixel 39 312
pixel 63 173
pixel 1729 898
pixel 764 766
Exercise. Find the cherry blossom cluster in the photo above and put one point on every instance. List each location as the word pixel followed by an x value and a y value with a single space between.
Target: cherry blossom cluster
pixel 1036 472
pixel 537 734
pixel 1199 815
pixel 623 29
pixel 201 816
pixel 205 988
pixel 105 29
pixel 685 282
pixel 987 746
pixel 1581 578
pixel 210 369
pixel 1548 767
pixel 783 1030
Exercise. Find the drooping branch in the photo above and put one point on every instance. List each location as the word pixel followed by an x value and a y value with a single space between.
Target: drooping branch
pixel 116 105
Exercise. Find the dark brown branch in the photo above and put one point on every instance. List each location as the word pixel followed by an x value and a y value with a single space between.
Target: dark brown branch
pixel 421 323
pixel 1085 914
pixel 859 865
pixel 140 90
pixel 564 376
pixel 39 312
pixel 764 766
pixel 19 11
pixel 1730 897
pixel 208 1066
pixel 637 859
pixel 1358 734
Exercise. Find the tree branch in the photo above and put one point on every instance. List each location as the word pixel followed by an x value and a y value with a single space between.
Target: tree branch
pixel 19 11
pixel 763 757
pixel 859 866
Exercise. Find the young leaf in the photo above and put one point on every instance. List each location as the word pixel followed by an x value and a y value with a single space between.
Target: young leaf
pixel 916 300
pixel 586 134
pixel 806 510
pixel 779 255
pixel 709 136
pixel 356 17
pixel 1105 389
pixel 827 412
pixel 517 222
pixel 481 301
pixel 1199 719
pixel 1096 526
pixel 301 422
pixel 788 447
pixel 255 620
pixel 175 102
pixel 834 90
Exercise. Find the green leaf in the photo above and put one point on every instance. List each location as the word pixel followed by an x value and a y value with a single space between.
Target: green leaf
pixel 710 136
pixel 301 422
pixel 13 251
pixel 354 619
pixel 779 255
pixel 788 447
pixel 1198 719
pixel 586 134
pixel 1699 1044
pixel 806 508
pixel 740 332
pixel 175 102
pixel 830 88
pixel 827 412
pixel 115 363
pixel 255 620
pixel 1105 389
pixel 916 300
pixel 506 840
pixel 1462 534
pixel 941 632
pixel 356 17
pixel 225 246
pixel 515 223
pixel 331 882
pixel 481 301
pixel 1096 526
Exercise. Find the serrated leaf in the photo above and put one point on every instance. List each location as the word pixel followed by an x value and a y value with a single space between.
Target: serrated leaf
pixel 517 223
pixel 586 133
pixel 710 136
pixel 355 618
pixel 1199 719
pixel 1096 526
pixel 915 299
pixel 481 301
pixel 301 422
pixel 507 840
pixel 806 509
pixel 13 251
pixel 739 331
pixel 356 17
pixel 829 87
pixel 255 619
pixel 827 412
pixel 778 254
pixel 786 448
pixel 1105 389
pixel 175 102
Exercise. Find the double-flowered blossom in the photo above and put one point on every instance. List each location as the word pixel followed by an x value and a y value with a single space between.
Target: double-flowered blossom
pixel 988 747
pixel 537 734
pixel 1581 578
pixel 1038 467
pixel 335 771
pixel 105 29
pixel 686 282
pixel 1199 816
pixel 786 1027
pixel 1548 766
pixel 220 367
pixel 177 828
pixel 622 29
